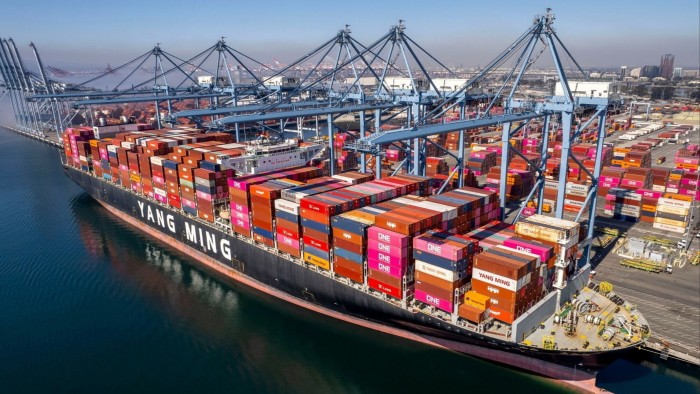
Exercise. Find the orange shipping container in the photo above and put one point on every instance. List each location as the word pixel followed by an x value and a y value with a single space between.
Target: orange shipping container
pixel 471 313
pixel 501 315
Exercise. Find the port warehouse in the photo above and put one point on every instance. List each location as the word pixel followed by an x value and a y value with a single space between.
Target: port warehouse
pixel 464 264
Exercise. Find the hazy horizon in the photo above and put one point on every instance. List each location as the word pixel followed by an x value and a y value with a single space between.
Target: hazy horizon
pixel 81 34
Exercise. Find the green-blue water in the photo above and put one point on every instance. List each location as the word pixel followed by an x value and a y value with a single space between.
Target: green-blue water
pixel 89 304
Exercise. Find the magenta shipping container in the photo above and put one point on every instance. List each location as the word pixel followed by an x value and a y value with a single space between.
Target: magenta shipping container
pixel 614 181
pixel 285 240
pixel 189 203
pixel 235 207
pixel 542 251
pixel 387 258
pixel 632 183
pixel 649 193
pixel 439 247
pixel 240 216
pixel 388 237
pixel 422 296
pixel 242 223
pixel 691 182
pixel 396 272
pixel 387 248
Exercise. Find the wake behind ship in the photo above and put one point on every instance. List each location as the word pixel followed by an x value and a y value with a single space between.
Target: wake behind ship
pixel 387 253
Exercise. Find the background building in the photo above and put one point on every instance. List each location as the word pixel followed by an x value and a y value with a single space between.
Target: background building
pixel 666 67
pixel 650 72
pixel 623 73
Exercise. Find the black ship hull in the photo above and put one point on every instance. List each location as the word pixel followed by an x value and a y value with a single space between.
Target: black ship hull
pixel 276 274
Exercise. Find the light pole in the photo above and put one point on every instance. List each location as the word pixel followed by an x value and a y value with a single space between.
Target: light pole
pixel 575 365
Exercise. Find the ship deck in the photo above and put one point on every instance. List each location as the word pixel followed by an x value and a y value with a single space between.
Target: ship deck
pixel 584 331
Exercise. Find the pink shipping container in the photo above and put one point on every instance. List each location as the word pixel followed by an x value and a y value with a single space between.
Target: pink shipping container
pixel 387 258
pixel 541 251
pixel 285 240
pixel 392 154
pixel 242 223
pixel 632 183
pixel 649 193
pixel 386 248
pixel 386 236
pixel 158 179
pixel 235 207
pixel 688 160
pixel 439 303
pixel 686 192
pixel 529 211
pixel 203 196
pixel 691 182
pixel 163 199
pixel 124 167
pixel 188 203
pixel 240 216
pixel 614 181
pixel 439 248
pixel 480 154
pixel 396 272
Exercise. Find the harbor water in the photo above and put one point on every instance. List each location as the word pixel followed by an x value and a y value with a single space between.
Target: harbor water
pixel 90 304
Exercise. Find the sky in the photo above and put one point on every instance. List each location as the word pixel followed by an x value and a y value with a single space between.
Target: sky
pixel 74 34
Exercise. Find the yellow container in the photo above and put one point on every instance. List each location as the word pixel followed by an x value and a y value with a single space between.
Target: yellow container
pixel 670 222
pixel 317 261
pixel 477 300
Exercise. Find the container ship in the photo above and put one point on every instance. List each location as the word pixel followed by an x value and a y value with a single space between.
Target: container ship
pixel 389 254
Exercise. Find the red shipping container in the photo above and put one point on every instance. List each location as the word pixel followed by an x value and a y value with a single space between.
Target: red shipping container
pixel 350 247
pixel 316 243
pixel 384 288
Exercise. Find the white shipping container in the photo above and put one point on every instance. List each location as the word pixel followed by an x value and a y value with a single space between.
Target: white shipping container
pixel 672 209
pixel 673 203
pixel 578 187
pixel 579 193
pixel 551 184
pixel 427 268
pixel 287 206
pixel 666 227
pixel 448 212
pixel 573 202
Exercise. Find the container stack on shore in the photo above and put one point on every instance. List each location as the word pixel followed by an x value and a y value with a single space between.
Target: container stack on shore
pixel 672 213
